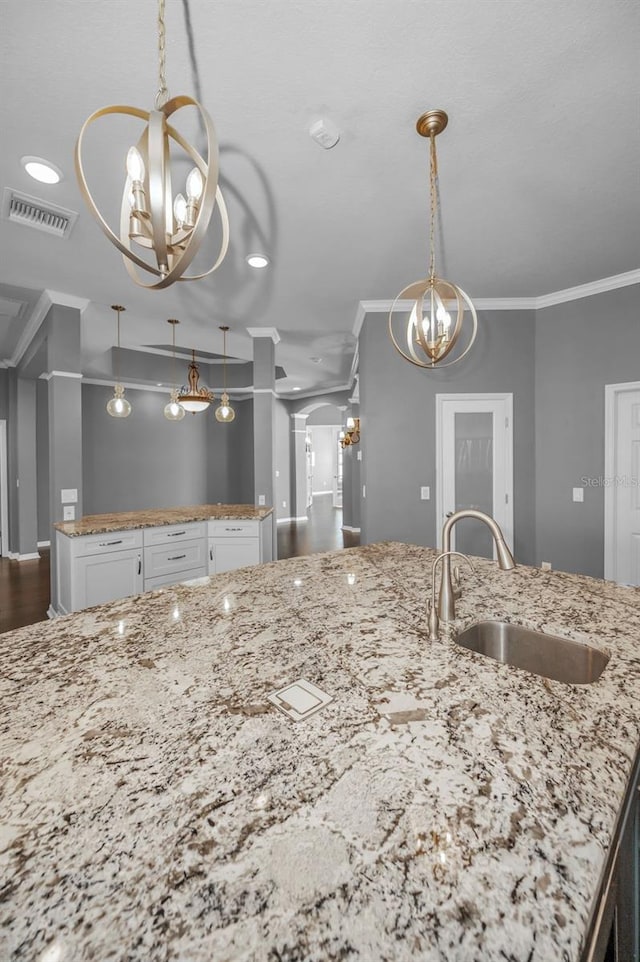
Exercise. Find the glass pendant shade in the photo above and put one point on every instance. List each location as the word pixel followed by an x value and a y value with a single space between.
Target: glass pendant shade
pixel 118 406
pixel 173 410
pixel 429 317
pixel 225 412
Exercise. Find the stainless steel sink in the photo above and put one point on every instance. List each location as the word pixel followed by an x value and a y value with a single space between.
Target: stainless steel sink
pixel 548 655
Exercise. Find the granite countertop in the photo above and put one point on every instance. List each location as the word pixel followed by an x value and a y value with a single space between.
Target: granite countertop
pixel 443 806
pixel 155 517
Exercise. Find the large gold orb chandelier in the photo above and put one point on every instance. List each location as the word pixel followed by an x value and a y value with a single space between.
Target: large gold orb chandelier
pixel 434 329
pixel 151 218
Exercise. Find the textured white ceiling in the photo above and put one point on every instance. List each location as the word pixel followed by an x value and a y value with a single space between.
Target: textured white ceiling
pixel 538 166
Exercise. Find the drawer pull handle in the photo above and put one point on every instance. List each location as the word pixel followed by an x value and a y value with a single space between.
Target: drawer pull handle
pixel 233 529
pixel 139 564
pixel 177 557
pixel 175 534
pixel 105 544
pixel 211 559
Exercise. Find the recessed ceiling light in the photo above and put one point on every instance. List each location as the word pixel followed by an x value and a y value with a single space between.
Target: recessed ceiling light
pixel 296 389
pixel 42 170
pixel 257 260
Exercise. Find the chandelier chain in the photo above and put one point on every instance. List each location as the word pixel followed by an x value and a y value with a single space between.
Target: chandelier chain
pixel 163 92
pixel 433 203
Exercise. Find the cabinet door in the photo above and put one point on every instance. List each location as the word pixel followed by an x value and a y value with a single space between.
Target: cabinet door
pixel 225 554
pixel 102 578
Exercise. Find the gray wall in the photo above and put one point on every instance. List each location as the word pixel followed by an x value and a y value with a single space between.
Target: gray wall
pixel 143 461
pixel 397 408
pixel 230 456
pixel 283 426
pixel 580 346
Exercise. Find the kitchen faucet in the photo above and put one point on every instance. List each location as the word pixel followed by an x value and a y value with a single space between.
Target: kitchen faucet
pixel 449 593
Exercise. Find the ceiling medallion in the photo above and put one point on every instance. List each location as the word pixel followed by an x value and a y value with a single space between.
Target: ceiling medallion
pixel 170 227
pixel 433 331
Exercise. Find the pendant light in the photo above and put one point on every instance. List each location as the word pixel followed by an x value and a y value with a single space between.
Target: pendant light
pixel 152 219
pixel 432 333
pixel 173 410
pixel 118 406
pixel 224 412
pixel 192 397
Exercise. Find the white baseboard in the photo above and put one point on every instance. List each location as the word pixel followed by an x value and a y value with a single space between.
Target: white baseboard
pixel 316 494
pixel 289 520
pixel 52 613
pixel 14 556
pixel 44 544
pixel 347 527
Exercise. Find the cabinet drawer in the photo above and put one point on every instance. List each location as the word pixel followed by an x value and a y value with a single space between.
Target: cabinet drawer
pixel 234 529
pixel 104 543
pixel 170 533
pixel 162 581
pixel 161 559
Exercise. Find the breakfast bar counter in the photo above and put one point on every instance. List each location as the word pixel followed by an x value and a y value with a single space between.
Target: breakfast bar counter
pixel 443 807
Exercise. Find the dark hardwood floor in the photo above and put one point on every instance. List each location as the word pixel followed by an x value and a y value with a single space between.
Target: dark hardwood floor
pixel 24 585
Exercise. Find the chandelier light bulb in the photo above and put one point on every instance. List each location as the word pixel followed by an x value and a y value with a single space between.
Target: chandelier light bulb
pixel 194 185
pixel 180 209
pixel 118 406
pixel 135 165
pixel 174 411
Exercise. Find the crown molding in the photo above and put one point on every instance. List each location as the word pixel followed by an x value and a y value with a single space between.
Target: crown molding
pixel 67 300
pixel 381 306
pixel 44 303
pixel 49 374
pixel 264 332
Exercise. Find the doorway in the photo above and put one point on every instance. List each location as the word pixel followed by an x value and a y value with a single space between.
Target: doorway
pixel 622 483
pixel 474 466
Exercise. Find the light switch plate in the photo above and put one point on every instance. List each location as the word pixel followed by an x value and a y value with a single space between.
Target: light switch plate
pixel 425 493
pixel 359 455
pixel 578 494
pixel 69 495
pixel 69 512
pixel 261 499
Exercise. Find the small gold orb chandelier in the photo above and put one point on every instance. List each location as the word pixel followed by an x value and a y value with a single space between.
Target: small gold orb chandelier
pixel 173 411
pixel 151 218
pixel 351 433
pixel 224 412
pixel 118 406
pixel 436 317
pixel 192 397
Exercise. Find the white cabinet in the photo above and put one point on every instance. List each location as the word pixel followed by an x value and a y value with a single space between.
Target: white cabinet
pixel 95 569
pixel 235 544
pixel 174 553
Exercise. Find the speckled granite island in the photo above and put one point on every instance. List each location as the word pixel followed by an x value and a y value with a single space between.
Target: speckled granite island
pixel 443 806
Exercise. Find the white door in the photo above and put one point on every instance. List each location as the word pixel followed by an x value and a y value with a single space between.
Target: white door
pixel 621 483
pixel 474 466
pixel 309 468
pixel 338 470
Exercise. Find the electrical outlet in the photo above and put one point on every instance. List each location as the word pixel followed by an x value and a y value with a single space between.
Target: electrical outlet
pixel 546 565
pixel 262 499
pixel 69 512
pixel 359 455
pixel 425 493
pixel 69 495
pixel 284 504
pixel 578 494
pixel 277 474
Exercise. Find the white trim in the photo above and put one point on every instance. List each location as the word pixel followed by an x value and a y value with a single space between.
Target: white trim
pixel 67 300
pixel 317 494
pixel 347 527
pixel 52 613
pixel 50 374
pixel 4 490
pixel 316 392
pixel 31 328
pixel 264 332
pixel 511 303
pixel 44 544
pixel 588 290
pixel 296 415
pixel 264 390
pixel 14 556
pixel 285 520
pixel 610 396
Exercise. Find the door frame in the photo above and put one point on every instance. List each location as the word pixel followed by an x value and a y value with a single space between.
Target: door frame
pixel 508 529
pixel 611 392
pixel 4 491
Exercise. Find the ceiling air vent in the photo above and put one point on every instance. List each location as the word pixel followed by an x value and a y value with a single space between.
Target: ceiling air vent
pixel 32 212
